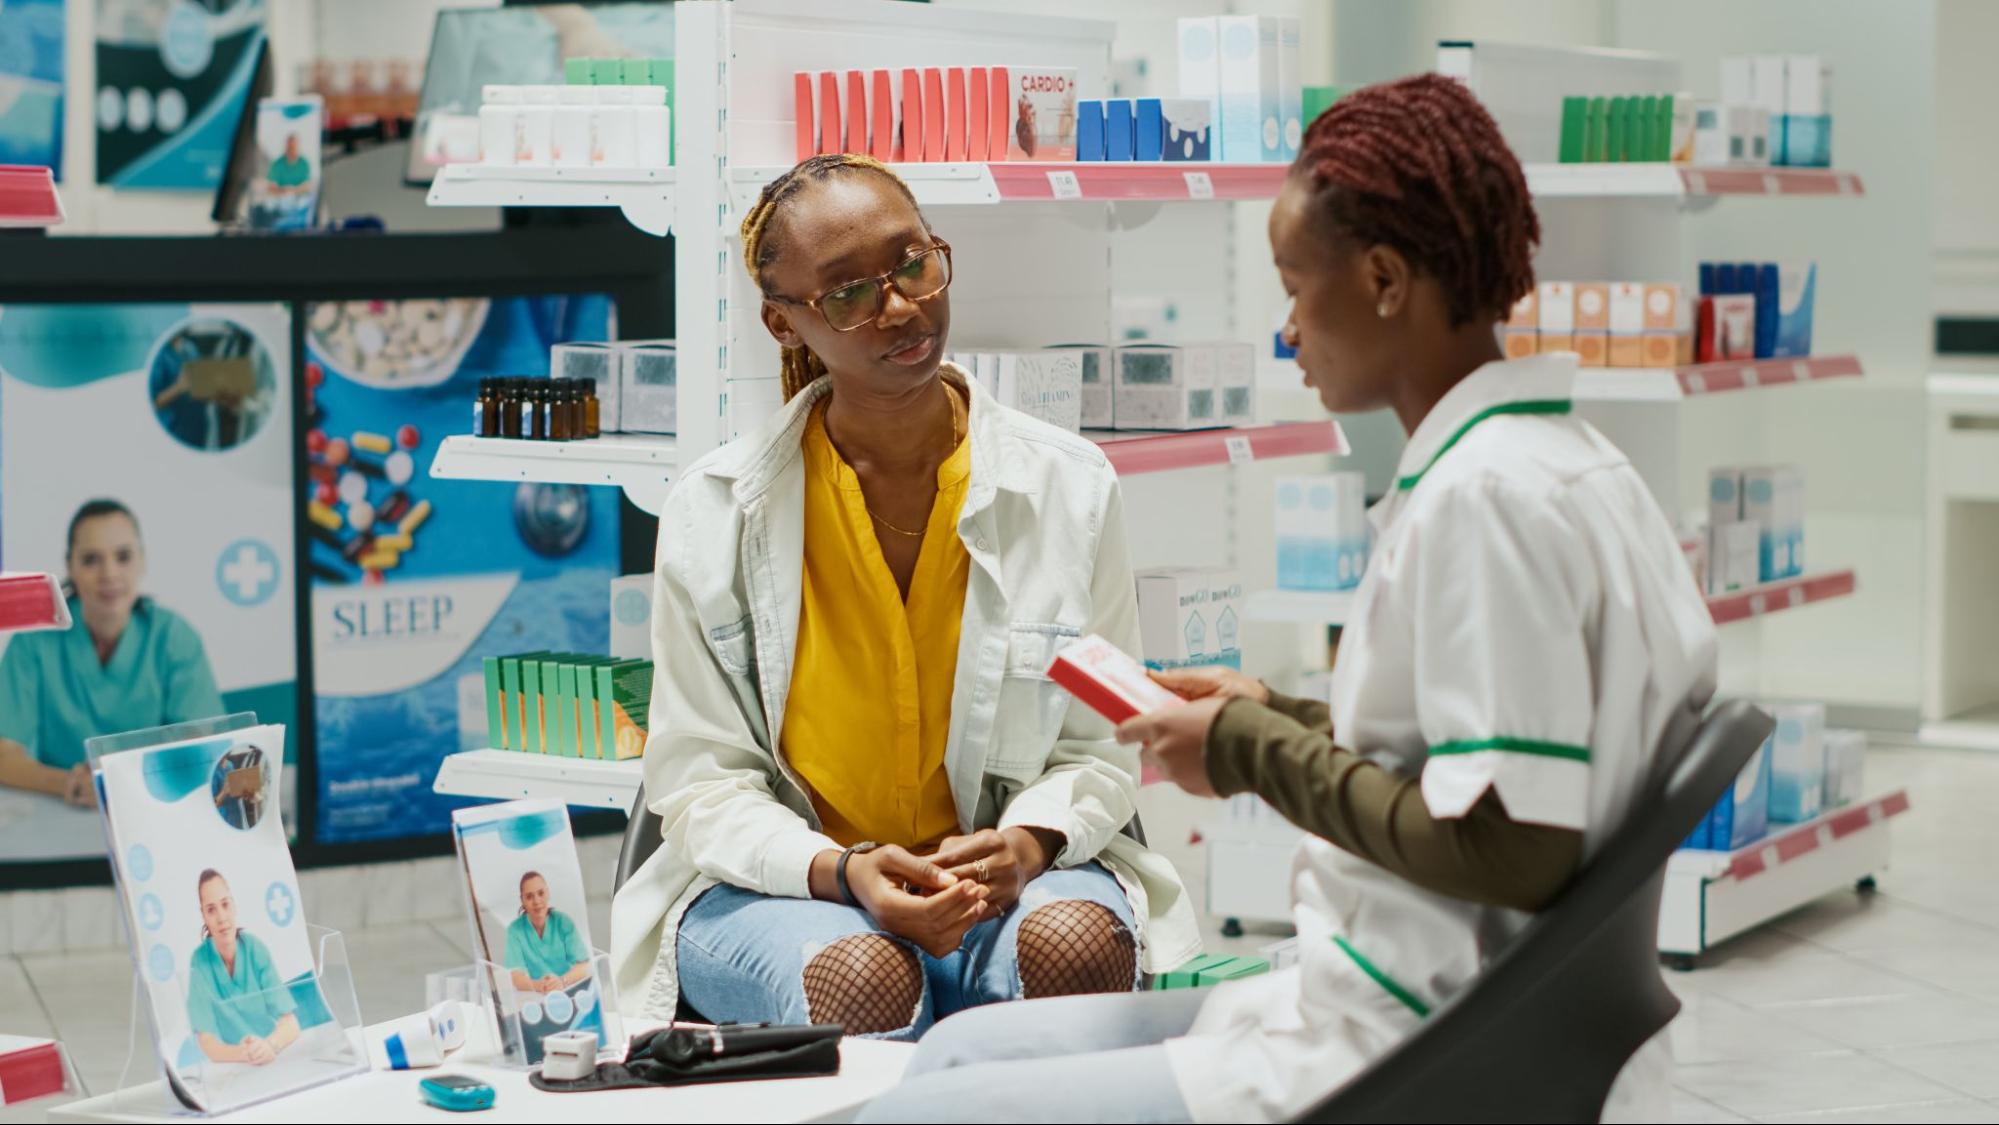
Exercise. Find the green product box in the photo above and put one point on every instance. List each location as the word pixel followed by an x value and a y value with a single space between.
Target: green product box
pixel 513 676
pixel 1238 969
pixel 606 72
pixel 624 697
pixel 576 72
pixel 1319 99
pixel 1188 975
pixel 549 726
pixel 531 703
pixel 635 72
pixel 589 716
pixel 559 682
pixel 1596 132
pixel 575 673
pixel 1618 136
pixel 1662 130
pixel 496 705
pixel 1575 111
pixel 1648 150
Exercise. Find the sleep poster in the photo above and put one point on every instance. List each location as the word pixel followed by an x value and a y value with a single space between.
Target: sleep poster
pixel 413 580
pixel 172 76
pixel 145 460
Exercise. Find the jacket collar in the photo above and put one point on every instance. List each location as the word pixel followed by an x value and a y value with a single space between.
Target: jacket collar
pixel 1539 384
pixel 763 455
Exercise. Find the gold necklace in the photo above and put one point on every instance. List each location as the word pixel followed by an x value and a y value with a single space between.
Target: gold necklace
pixel 956 420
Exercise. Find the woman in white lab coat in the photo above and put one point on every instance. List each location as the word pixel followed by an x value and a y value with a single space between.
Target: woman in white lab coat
pixel 1526 629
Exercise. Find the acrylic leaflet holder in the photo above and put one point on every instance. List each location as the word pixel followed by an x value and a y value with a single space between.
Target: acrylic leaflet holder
pixel 508 1022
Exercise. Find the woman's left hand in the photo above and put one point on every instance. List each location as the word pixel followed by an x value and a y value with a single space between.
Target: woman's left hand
pixel 1174 741
pixel 1005 861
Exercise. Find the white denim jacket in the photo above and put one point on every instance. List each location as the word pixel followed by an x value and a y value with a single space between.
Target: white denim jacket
pixel 1043 523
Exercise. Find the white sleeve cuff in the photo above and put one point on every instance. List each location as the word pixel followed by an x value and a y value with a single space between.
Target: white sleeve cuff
pixel 786 864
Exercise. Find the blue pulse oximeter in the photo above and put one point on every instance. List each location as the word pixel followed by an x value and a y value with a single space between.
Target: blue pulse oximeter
pixel 456 1093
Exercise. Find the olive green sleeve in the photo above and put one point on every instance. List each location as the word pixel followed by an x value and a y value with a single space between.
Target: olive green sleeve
pixel 1483 856
pixel 1306 712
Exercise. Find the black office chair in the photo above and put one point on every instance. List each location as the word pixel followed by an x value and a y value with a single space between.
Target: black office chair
pixel 1545 1030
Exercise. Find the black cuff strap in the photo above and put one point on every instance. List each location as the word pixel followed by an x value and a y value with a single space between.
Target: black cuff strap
pixel 840 872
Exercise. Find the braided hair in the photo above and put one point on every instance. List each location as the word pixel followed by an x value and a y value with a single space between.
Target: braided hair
pixel 801 365
pixel 1418 164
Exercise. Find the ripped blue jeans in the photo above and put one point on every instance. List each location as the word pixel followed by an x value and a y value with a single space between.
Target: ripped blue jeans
pixel 742 955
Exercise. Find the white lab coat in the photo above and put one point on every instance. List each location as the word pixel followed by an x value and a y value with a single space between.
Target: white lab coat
pixel 1528 625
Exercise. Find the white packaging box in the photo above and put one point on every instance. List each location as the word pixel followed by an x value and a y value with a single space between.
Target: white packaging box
pixel 1766 92
pixel 1724 495
pixel 1710 134
pixel 1732 556
pixel 749 403
pixel 1774 496
pixel 591 361
pixel 1557 303
pixel 1251 130
pixel 1748 135
pixel 1291 84
pixel 1737 81
pixel 1845 767
pixel 1235 381
pixel 1201 72
pixel 631 617
pixel 1322 531
pixel 1806 125
pixel 1190 617
pixel 1046 384
pixel 1680 150
pixel 648 387
pixel 1097 413
pixel 1164 387
pixel 1797 761
pixel 1050 95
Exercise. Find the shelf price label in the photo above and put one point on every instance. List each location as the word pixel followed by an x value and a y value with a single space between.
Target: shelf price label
pixel 1238 449
pixel 1065 185
pixel 1756 605
pixel 1200 185
pixel 1796 594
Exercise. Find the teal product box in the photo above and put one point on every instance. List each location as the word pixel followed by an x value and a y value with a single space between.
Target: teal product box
pixel 607 72
pixel 1252 131
pixel 1797 762
pixel 1322 531
pixel 1743 816
pixel 576 72
pixel 496 704
pixel 1188 975
pixel 1290 86
pixel 1089 129
pixel 1797 291
pixel 1806 124
pixel 1773 497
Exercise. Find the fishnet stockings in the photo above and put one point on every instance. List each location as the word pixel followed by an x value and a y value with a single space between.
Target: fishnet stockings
pixel 866 983
pixel 1073 946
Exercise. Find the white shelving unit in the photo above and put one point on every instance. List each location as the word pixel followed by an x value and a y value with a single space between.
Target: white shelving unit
pixel 645 195
pixel 641 464
pixel 507 775
pixel 1961 525
pixel 1673 384
pixel 1684 182
pixel 1711 896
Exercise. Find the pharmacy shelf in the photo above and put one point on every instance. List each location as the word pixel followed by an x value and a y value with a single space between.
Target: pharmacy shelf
pixel 506 775
pixel 1678 181
pixel 1673 384
pixel 1711 896
pixel 644 194
pixel 1133 452
pixel 31 601
pixel 1773 596
pixel 1300 607
pixel 1085 182
pixel 639 463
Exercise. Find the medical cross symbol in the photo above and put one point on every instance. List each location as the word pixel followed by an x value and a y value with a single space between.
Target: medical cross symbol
pixel 278 903
pixel 247 572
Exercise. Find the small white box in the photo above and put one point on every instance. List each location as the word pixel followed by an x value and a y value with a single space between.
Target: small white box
pixel 1797 761
pixel 1290 84
pixel 1773 496
pixel 1047 385
pixel 1724 495
pixel 597 362
pixel 648 386
pixel 631 617
pixel 1732 556
pixel 1190 617
pixel 1235 379
pixel 1322 531
pixel 1845 767
pixel 1557 303
pixel 749 403
pixel 1711 134
pixel 1252 131
pixel 1738 84
pixel 1201 71
pixel 1097 411
pixel 1806 125
pixel 1165 387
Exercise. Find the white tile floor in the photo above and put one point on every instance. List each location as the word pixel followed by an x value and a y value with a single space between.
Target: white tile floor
pixel 1884 1008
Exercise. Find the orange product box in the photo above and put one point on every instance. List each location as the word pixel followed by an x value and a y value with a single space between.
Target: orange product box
pixel 1593 323
pixel 912 114
pixel 978 134
pixel 933 113
pixel 807 135
pixel 996 110
pixel 857 112
pixel 1557 303
pixel 1627 324
pixel 830 135
pixel 1526 312
pixel 956 144
pixel 1669 336
pixel 1520 343
pixel 886 114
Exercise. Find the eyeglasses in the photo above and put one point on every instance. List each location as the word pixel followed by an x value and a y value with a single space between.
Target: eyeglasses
pixel 920 277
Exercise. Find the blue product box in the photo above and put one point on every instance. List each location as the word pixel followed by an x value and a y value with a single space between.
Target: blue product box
pixel 1117 129
pixel 1089 130
pixel 1766 310
pixel 1797 288
pixel 1707 273
pixel 1743 816
pixel 1322 531
pixel 1699 837
pixel 1724 277
pixel 1188 125
pixel 1148 129
pixel 1797 762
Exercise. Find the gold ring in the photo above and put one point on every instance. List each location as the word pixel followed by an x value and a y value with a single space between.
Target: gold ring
pixel 984 874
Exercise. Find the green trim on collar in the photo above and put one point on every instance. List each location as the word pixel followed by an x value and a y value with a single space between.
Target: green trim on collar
pixel 1388 984
pixel 1515 745
pixel 1528 406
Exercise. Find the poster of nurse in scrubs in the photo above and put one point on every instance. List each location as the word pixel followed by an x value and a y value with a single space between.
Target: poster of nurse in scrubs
pixel 218 930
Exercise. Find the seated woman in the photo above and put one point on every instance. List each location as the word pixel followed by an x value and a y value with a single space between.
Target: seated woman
pixel 878 810
pixel 239 1009
pixel 544 951
pixel 1526 634
pixel 125 663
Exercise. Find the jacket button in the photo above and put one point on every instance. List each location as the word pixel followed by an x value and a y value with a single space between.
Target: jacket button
pixel 981 544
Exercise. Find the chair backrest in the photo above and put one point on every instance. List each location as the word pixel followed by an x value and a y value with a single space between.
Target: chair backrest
pixel 1543 1032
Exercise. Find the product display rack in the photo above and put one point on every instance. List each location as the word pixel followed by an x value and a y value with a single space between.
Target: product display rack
pixel 507 775
pixel 645 195
pixel 1684 181
pixel 1670 384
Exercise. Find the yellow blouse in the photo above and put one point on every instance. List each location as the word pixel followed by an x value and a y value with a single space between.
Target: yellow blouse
pixel 870 703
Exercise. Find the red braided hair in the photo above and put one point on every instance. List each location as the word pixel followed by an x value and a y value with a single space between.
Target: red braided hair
pixel 1418 164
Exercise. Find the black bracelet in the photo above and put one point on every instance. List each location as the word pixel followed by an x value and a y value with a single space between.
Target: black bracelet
pixel 840 871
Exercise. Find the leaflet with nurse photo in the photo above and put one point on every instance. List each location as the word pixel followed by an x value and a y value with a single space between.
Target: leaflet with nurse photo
pixel 529 921
pixel 217 929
